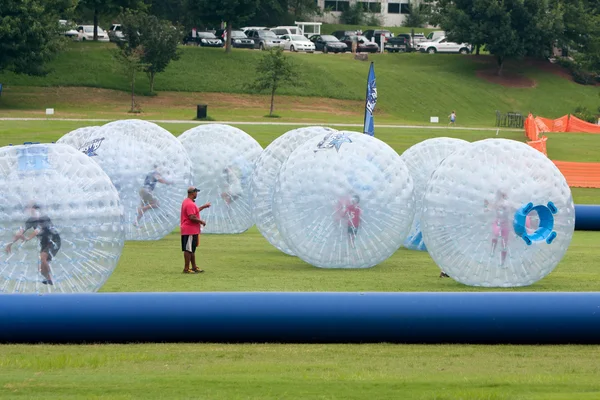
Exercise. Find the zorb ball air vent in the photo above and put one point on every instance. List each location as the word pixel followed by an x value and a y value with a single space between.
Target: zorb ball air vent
pixel 343 200
pixel 150 169
pixel 223 160
pixel 265 176
pixel 422 159
pixel 497 213
pixel 61 222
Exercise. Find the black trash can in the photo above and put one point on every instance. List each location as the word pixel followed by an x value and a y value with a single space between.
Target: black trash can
pixel 201 111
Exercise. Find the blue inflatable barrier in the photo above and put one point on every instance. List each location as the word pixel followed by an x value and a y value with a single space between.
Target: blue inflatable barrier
pixel 587 217
pixel 492 318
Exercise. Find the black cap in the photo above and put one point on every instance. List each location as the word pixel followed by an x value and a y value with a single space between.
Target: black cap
pixel 192 189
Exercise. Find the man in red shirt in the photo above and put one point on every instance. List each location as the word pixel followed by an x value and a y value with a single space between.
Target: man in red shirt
pixel 190 230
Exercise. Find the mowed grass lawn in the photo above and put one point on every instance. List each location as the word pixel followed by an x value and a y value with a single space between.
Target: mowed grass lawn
pixel 411 87
pixel 247 262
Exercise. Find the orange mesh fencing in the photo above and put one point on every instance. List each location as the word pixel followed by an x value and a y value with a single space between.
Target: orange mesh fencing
pixel 585 175
pixel 539 144
pixel 578 125
pixel 531 128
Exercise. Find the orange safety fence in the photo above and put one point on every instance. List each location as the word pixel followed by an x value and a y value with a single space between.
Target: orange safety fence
pixel 586 175
pixel 567 123
pixel 578 125
pixel 539 144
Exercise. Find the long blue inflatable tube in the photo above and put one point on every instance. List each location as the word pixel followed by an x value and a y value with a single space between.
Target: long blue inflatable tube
pixel 587 217
pixel 492 318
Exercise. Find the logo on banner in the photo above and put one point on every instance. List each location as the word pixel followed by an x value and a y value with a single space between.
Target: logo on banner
pixel 372 96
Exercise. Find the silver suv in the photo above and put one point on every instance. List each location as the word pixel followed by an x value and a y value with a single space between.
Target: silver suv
pixel 264 39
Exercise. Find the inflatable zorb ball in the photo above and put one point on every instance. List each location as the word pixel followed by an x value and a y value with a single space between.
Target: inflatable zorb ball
pixel 265 176
pixel 60 221
pixel 497 213
pixel 422 159
pixel 79 137
pixel 343 200
pixel 149 168
pixel 223 161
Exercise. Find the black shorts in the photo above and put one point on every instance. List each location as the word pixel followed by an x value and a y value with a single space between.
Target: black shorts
pixel 189 243
pixel 352 230
pixel 51 246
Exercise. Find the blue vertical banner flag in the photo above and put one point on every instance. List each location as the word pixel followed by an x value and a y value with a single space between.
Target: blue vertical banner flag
pixel 369 128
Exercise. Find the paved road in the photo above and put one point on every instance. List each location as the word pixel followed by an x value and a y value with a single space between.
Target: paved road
pixel 173 121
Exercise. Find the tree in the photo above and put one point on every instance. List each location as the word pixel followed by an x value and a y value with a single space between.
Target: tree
pixel 130 60
pixel 232 12
pixel 508 28
pixel 30 33
pixel 158 38
pixel 274 70
pixel 107 8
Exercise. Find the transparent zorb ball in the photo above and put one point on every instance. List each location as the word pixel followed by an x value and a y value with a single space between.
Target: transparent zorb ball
pixel 343 200
pixel 61 221
pixel 497 213
pixel 223 160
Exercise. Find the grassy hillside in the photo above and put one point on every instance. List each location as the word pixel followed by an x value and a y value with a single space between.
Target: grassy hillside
pixel 411 87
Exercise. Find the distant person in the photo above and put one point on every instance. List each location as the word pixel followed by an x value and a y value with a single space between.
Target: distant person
pixel 233 185
pixel 48 236
pixel 501 225
pixel 147 193
pixel 190 230
pixel 452 117
pixel 350 211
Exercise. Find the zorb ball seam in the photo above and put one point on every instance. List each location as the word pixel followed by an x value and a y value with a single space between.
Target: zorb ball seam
pixel 497 214
pixel 148 166
pixel 61 221
pixel 343 200
pixel 223 160
pixel 264 179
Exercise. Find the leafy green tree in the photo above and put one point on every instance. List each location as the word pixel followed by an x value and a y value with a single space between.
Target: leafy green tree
pixel 158 38
pixel 30 34
pixel 130 61
pixel 273 71
pixel 231 12
pixel 507 29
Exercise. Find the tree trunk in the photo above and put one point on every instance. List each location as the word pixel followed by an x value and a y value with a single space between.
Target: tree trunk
pixel 152 81
pixel 500 60
pixel 132 92
pixel 477 49
pixel 228 41
pixel 96 23
pixel 272 100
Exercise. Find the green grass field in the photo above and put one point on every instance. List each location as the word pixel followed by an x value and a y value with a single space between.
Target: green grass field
pixel 247 262
pixel 411 87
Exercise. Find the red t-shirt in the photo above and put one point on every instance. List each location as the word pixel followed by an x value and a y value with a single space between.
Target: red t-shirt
pixel 189 227
pixel 353 213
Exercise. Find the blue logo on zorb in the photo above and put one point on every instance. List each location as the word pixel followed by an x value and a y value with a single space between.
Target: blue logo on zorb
pixel 372 96
pixel 333 140
pixel 90 147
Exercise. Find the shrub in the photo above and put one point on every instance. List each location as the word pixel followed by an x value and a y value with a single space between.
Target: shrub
pixel 373 19
pixel 353 15
pixel 585 114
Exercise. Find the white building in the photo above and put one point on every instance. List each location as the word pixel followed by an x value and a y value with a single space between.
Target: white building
pixel 390 12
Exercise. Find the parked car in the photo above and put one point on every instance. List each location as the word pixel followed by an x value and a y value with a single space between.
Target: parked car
pixel 70 30
pixel 342 34
pixel 204 39
pixel 434 35
pixel 253 28
pixel 374 35
pixel 115 33
pixel 286 30
pixel 264 39
pixel 86 32
pixel 327 43
pixel 298 43
pixel 442 45
pixel 238 39
pixel 364 45
pixel 397 44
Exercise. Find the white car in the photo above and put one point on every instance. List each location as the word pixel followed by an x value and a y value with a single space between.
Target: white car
pixel 442 45
pixel 297 43
pixel 86 32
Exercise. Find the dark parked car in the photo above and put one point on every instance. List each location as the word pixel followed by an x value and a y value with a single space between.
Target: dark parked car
pixel 342 34
pixel 364 44
pixel 327 43
pixel 238 39
pixel 397 44
pixel 204 39
pixel 374 35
